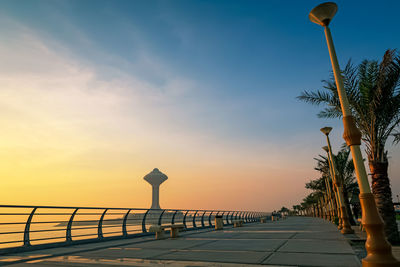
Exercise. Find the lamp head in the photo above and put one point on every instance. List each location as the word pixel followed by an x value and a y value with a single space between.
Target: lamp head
pixel 326 130
pixel 325 148
pixel 323 13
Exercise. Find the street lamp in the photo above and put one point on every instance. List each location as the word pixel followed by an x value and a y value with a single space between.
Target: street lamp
pixel 340 225
pixel 329 199
pixel 346 227
pixel 379 251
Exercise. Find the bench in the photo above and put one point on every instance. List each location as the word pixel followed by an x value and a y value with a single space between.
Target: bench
pixel 160 230
pixel 175 229
pixel 219 224
pixel 237 223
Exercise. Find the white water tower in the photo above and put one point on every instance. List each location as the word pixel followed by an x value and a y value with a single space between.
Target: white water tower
pixel 155 178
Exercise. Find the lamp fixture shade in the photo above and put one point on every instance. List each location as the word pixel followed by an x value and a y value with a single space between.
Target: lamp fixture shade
pixel 323 13
pixel 326 130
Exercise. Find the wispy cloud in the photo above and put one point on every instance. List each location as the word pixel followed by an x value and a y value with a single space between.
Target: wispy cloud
pixel 65 117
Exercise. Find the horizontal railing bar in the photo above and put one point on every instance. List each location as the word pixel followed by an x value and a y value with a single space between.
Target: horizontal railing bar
pixel 65 207
pixel 112 233
pixel 14 223
pixel 6 214
pixel 102 208
pixel 96 227
pixel 62 229
pixel 85 235
pixel 105 220
pixel 47 238
pixel 14 241
pixel 32 231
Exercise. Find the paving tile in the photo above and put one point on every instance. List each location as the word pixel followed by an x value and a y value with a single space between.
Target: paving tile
pixel 243 245
pixel 313 259
pixel 217 256
pixel 319 235
pixel 215 235
pixel 119 253
pixel 170 244
pixel 317 246
pixel 263 235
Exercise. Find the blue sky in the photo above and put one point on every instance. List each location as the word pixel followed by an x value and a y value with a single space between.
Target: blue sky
pixel 221 73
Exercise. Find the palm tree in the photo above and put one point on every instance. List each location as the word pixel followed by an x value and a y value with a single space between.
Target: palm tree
pixel 373 90
pixel 284 210
pixel 345 172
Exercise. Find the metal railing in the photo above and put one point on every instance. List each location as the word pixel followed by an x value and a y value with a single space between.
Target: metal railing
pixel 25 228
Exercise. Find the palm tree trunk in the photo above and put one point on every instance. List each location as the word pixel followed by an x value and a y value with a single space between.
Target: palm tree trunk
pixel 347 202
pixel 383 198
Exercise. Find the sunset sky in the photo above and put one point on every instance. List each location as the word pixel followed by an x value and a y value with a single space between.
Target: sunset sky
pixel 95 94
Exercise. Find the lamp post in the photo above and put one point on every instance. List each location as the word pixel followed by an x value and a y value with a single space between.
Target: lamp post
pixel 321 204
pixel 321 207
pixel 328 199
pixel 346 227
pixel 379 251
pixel 329 192
pixel 338 209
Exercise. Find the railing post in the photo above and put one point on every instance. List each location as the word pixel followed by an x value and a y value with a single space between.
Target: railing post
pixel 124 232
pixel 232 216
pixel 209 219
pixel 240 215
pixel 100 226
pixel 27 241
pixel 184 219
pixel 68 234
pixel 227 218
pixel 144 222
pixel 173 217
pixel 223 217
pixel 194 219
pixel 159 219
pixel 202 219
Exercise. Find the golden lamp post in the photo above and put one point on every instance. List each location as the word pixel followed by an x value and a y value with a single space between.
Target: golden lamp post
pixel 331 203
pixel 346 227
pixel 329 200
pixel 379 251
pixel 338 210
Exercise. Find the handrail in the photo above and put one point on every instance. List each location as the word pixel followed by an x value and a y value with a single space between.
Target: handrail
pixel 27 241
pixel 69 226
pixel 202 219
pixel 209 218
pixel 44 224
pixel 100 228
pixel 194 219
pixel 124 232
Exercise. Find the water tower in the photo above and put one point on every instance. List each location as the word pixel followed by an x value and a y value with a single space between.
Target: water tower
pixel 155 178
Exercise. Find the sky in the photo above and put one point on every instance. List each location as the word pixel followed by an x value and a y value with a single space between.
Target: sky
pixel 95 94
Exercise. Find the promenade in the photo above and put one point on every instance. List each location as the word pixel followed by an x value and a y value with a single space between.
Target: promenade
pixel 296 241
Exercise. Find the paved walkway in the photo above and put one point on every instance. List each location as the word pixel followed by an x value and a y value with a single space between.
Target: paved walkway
pixel 296 241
